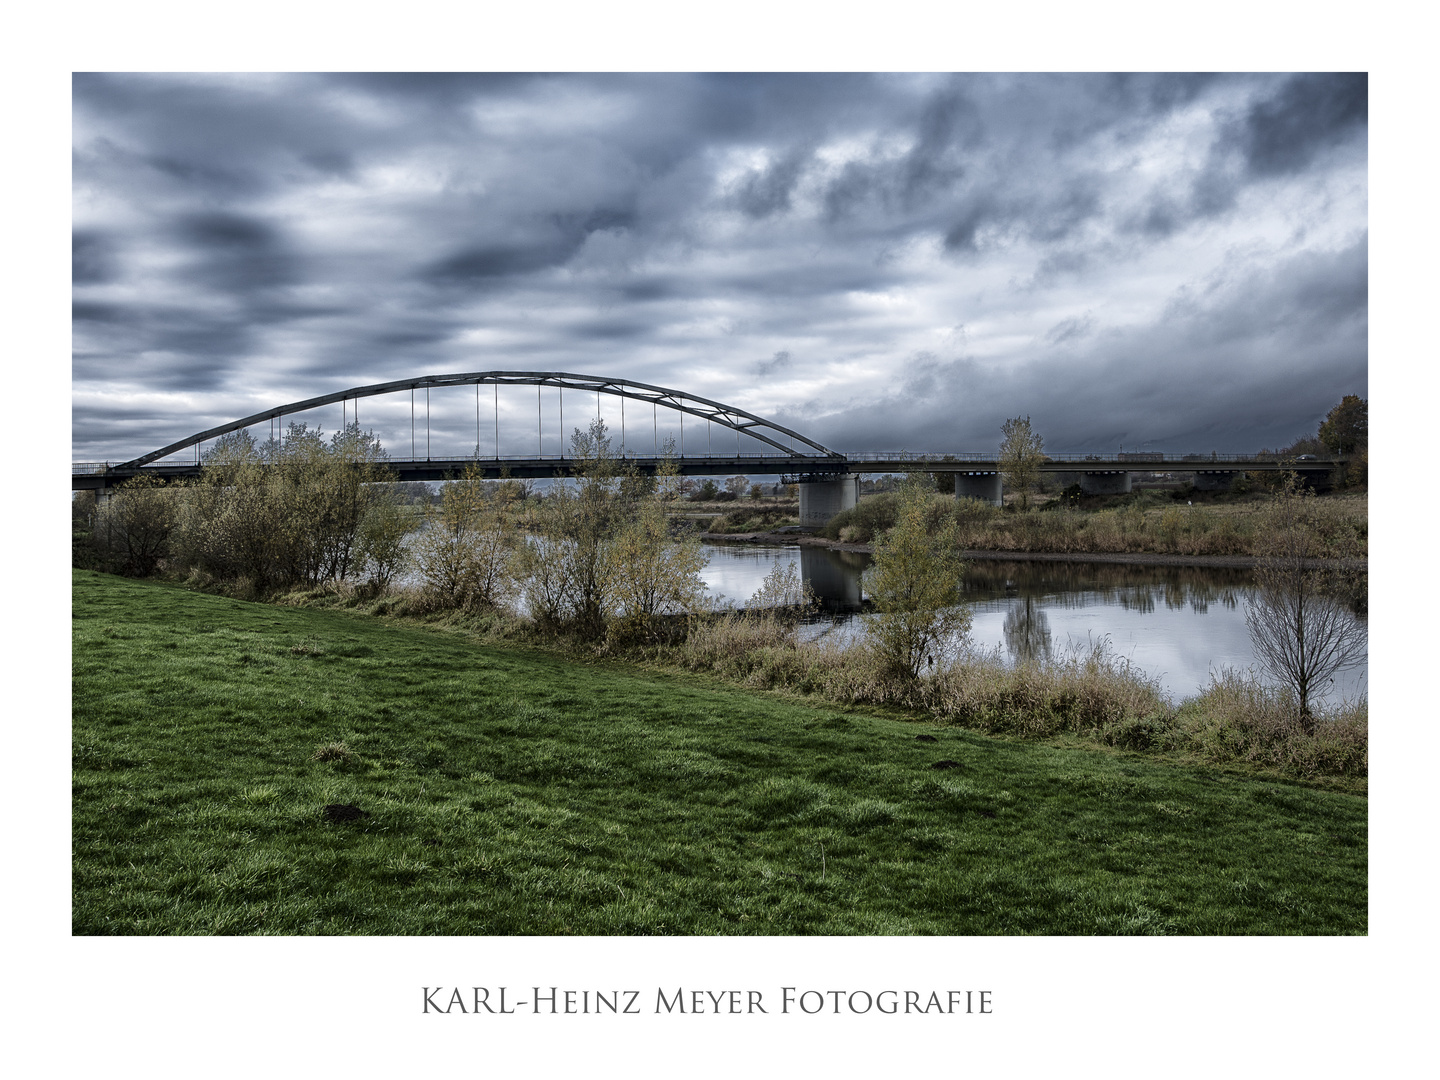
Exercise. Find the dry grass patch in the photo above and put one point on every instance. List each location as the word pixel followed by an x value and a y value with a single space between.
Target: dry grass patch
pixel 334 751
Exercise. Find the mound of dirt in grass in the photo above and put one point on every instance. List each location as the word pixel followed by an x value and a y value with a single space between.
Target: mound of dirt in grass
pixel 337 812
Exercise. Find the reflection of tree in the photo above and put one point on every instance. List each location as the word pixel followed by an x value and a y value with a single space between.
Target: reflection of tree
pixel 1055 581
pixel 1027 632
pixel 1140 599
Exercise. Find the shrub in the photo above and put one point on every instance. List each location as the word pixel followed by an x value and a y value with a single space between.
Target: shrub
pixel 914 581
pixel 135 526
pixel 866 520
pixel 1239 718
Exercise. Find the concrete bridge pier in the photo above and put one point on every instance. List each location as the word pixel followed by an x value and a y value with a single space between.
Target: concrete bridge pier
pixel 1214 480
pixel 821 500
pixel 1105 483
pixel 977 485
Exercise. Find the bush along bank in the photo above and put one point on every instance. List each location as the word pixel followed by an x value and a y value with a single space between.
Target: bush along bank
pixel 1147 523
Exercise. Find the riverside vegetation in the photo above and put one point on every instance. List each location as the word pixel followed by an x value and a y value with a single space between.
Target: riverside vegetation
pixel 1145 522
pixel 552 714
pixel 596 569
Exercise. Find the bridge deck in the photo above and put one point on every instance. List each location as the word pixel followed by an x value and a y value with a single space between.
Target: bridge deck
pixel 95 475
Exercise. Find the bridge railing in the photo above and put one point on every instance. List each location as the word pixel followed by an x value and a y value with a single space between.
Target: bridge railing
pixel 627 455
pixel 1140 459
pixel 80 468
pixel 785 463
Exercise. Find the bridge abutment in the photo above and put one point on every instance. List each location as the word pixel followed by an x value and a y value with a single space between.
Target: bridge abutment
pixel 986 486
pixel 821 500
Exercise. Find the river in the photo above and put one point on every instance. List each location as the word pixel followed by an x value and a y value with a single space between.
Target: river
pixel 1177 624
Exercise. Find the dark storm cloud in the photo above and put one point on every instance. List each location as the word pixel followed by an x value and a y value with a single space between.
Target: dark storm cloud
pixel 610 329
pixel 236 252
pixel 410 338
pixel 1153 93
pixel 1308 114
pixel 280 236
pixel 960 236
pixel 768 191
pixel 932 167
pixel 1281 132
pixel 1069 330
pixel 92 258
pixel 649 289
pixel 551 243
pixel 500 261
pixel 768 367
pixel 230 136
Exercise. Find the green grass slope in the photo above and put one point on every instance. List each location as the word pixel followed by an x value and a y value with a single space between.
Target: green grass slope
pixel 512 792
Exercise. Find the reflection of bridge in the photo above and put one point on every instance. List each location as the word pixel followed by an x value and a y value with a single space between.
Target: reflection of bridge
pixel 830 480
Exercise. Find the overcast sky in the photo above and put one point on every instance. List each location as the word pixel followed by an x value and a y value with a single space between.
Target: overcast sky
pixel 879 261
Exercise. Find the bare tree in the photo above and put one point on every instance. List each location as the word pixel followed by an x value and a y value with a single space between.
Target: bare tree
pixel 1302 630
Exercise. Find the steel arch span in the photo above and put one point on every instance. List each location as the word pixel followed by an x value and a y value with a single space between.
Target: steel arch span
pixel 677 400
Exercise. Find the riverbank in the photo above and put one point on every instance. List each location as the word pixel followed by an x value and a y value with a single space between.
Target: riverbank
pixel 795 538
pixel 243 767
pixel 1332 527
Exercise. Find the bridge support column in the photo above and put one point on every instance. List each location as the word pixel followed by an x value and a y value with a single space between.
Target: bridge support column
pixel 1214 481
pixel 985 486
pixel 821 500
pixel 1105 483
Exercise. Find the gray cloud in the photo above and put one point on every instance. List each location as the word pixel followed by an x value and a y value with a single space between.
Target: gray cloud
pixel 1070 330
pixel 768 367
pixel 767 191
pixel 1283 133
pixel 92 258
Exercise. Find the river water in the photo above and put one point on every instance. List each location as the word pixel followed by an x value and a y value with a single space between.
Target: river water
pixel 1177 624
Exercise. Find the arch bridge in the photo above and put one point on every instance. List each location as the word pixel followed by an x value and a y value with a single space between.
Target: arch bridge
pixel 829 479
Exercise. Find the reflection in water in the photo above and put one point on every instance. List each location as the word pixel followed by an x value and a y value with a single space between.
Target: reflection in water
pixel 1027 632
pixel 1132 587
pixel 834 577
pixel 1175 623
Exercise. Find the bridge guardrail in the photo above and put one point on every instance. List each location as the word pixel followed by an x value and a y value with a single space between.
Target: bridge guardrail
pixel 1139 462
pixel 1129 458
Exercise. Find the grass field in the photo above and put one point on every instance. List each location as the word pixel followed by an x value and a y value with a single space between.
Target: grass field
pixel 502 791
